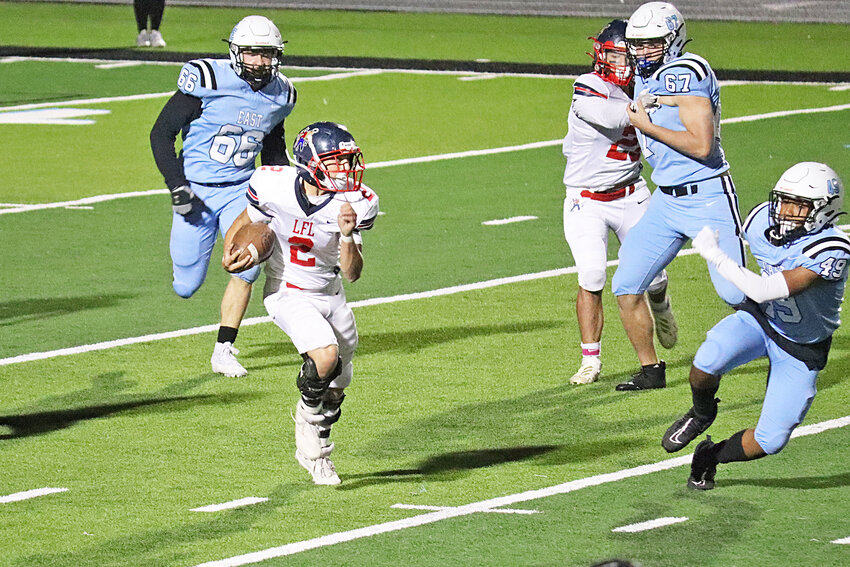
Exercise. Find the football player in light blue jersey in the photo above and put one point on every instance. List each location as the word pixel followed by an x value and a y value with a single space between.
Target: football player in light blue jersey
pixel 228 112
pixel 789 317
pixel 676 112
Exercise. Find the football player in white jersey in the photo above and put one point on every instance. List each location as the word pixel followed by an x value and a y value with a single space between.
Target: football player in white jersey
pixel 791 312
pixel 605 191
pixel 316 211
pixel 227 112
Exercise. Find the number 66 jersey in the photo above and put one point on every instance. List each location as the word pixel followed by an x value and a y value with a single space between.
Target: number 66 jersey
pixel 307 252
pixel 813 314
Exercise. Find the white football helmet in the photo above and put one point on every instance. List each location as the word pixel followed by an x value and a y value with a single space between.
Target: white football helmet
pixel 650 23
pixel 256 34
pixel 808 197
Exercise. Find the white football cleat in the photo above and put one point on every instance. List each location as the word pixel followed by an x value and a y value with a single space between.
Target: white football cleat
pixel 588 372
pixel 156 39
pixel 143 39
pixel 321 469
pixel 307 439
pixel 224 360
pixel 666 328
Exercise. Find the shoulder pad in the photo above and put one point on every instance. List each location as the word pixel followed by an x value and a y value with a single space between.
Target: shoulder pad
pixel 753 213
pixel 196 76
pixel 590 85
pixel 833 242
pixel 693 63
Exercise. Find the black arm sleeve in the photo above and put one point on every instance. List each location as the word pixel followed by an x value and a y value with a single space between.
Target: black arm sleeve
pixel 179 111
pixel 274 147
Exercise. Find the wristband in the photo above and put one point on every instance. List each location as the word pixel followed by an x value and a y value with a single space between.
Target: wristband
pixel 344 238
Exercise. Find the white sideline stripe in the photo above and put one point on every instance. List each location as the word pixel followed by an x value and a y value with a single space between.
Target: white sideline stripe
pixel 842 541
pixel 436 508
pixel 444 514
pixel 230 505
pixel 27 494
pixel 380 164
pixel 650 525
pixel 362 303
pixel 83 201
pixel 508 220
pixel 257 320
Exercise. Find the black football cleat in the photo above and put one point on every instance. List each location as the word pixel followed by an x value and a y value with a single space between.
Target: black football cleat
pixel 649 377
pixel 686 429
pixel 703 466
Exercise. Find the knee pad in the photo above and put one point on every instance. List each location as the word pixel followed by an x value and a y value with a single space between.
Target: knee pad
pixel 772 441
pixel 592 280
pixel 249 276
pixel 187 279
pixel 312 387
pixel 185 289
pixel 708 356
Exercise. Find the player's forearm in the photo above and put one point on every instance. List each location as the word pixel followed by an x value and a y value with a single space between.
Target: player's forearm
pixel 756 287
pixel 695 145
pixel 350 260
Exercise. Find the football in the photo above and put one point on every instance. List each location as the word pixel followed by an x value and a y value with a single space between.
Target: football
pixel 256 239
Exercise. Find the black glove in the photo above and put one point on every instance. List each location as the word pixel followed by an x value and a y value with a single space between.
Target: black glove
pixel 181 200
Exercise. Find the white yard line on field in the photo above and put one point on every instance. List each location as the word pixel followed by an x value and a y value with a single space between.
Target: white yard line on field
pixel 509 220
pixel 355 304
pixel 484 505
pixel 27 494
pixel 438 508
pixel 650 525
pixel 247 501
pixel 375 165
pixel 256 320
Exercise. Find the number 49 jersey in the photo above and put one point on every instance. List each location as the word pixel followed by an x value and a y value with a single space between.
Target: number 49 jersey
pixel 813 314
pixel 220 146
pixel 307 254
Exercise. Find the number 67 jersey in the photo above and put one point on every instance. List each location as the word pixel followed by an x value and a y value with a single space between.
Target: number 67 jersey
pixel 307 252
pixel 813 314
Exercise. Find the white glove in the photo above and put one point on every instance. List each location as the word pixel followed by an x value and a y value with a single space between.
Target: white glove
pixel 707 244
pixel 181 200
pixel 649 101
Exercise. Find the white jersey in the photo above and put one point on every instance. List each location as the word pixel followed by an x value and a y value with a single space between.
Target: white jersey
pixel 307 252
pixel 601 146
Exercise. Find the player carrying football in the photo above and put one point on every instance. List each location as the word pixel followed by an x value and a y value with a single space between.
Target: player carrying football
pixel 316 211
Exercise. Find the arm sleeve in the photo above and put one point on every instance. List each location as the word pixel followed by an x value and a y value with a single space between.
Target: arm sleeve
pixel 600 112
pixel 274 147
pixel 180 110
pixel 756 287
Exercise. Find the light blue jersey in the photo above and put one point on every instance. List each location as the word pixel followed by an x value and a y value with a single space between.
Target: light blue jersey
pixel 813 314
pixel 220 146
pixel 808 317
pixel 688 75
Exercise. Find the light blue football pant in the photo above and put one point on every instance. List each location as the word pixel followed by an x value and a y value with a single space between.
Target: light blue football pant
pixel 791 386
pixel 668 224
pixel 193 237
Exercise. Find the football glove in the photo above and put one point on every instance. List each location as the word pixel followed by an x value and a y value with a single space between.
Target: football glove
pixel 181 200
pixel 706 243
pixel 649 101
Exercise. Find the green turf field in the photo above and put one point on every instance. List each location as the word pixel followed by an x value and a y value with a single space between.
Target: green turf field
pixel 460 410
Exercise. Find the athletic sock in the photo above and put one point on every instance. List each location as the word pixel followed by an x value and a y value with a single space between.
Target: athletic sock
pixel 227 334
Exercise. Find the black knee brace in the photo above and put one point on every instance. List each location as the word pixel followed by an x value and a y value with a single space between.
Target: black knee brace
pixel 313 387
